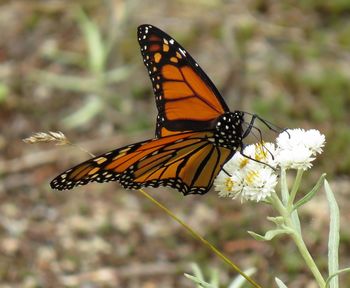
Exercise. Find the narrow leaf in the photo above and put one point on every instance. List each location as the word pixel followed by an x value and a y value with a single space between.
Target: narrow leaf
pixel 279 283
pixel 239 281
pixel 200 283
pixel 268 235
pixel 93 38
pixel 333 242
pixel 214 278
pixel 311 194
pixel 89 110
pixel 295 188
pixel 279 220
pixel 284 187
pixel 118 74
pixel 197 271
pixel 336 274
pixel 296 221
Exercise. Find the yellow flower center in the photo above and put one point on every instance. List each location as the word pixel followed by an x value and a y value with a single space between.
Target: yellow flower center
pixel 243 163
pixel 250 177
pixel 260 151
pixel 229 184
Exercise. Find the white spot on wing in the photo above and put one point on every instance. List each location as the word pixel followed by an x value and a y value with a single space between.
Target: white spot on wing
pixel 182 52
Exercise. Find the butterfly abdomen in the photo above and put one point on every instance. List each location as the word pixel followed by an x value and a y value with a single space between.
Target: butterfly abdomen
pixel 228 130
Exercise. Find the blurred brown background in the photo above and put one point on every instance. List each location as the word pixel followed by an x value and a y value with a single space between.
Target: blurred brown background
pixel 75 66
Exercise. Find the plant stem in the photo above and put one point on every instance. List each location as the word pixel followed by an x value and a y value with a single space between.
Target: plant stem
pixel 290 202
pixel 308 259
pixel 295 189
pixel 284 186
pixel 195 235
pixel 297 238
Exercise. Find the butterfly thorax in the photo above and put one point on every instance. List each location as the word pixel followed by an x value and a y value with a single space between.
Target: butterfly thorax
pixel 228 130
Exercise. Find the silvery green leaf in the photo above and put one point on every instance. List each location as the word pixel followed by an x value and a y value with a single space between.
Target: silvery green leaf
pixel 197 271
pixel 214 278
pixel 200 283
pixel 296 221
pixel 284 187
pixel 118 74
pixel 311 194
pixel 279 283
pixel 333 242
pixel 87 111
pixel 97 51
pixel 336 274
pixel 268 235
pixel 277 220
pixel 239 281
pixel 199 278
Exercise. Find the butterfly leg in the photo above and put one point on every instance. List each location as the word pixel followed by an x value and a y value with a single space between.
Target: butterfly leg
pixel 272 127
pixel 268 124
pixel 261 141
pixel 250 158
pixel 223 169
pixel 250 126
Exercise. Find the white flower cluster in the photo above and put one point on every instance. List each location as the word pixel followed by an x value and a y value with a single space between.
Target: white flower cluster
pixel 252 180
pixel 297 148
pixel 252 175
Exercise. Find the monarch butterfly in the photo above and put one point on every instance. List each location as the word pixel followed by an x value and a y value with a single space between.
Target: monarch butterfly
pixel 195 131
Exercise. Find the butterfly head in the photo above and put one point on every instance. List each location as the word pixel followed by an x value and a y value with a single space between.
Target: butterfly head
pixel 229 131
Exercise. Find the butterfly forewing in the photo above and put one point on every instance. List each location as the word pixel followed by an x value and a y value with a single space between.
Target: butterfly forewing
pixel 186 98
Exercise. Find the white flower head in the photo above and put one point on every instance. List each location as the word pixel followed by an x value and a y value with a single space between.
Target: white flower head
pixel 224 185
pixel 315 141
pixel 251 174
pixel 298 158
pixel 296 148
pixel 250 179
pixel 259 184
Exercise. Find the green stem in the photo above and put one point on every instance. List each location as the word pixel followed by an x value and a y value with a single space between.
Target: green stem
pixel 298 240
pixel 195 235
pixel 284 186
pixel 308 259
pixel 295 189
pixel 294 214
pixel 278 205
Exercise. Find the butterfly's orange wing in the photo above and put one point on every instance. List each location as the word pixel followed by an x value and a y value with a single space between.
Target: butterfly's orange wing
pixel 187 161
pixel 186 98
pixel 188 152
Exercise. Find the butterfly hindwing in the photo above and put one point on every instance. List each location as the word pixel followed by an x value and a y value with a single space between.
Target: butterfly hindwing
pixel 186 98
pixel 188 162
